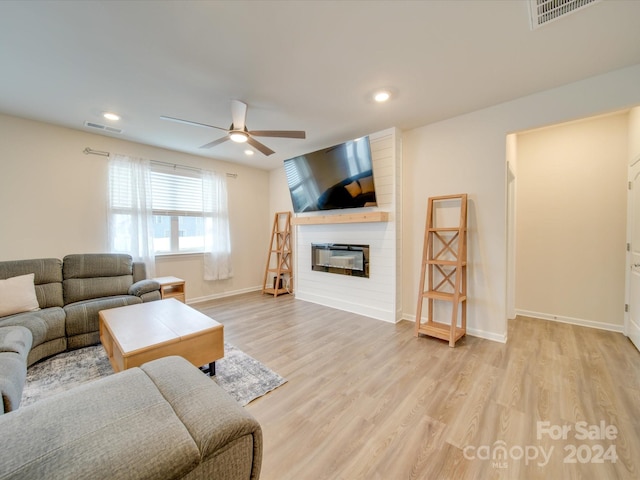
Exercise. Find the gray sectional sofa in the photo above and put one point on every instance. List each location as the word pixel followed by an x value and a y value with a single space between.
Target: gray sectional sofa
pixel 70 293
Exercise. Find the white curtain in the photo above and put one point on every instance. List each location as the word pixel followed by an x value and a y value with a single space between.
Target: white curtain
pixel 217 243
pixel 130 209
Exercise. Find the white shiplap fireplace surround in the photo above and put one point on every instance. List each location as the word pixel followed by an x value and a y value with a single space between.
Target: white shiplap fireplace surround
pixel 379 295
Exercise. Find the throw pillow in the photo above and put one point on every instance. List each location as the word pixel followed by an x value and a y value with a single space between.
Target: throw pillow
pixel 17 295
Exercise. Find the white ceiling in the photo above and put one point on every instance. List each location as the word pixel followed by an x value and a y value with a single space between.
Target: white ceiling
pixel 299 65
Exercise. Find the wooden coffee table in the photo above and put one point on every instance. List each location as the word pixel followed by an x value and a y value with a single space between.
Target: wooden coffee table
pixel 136 334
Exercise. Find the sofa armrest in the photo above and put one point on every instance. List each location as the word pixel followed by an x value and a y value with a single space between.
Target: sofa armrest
pixel 144 286
pixel 215 421
pixel 16 339
pixel 15 343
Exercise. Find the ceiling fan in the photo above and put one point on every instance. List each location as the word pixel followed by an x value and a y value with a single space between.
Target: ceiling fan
pixel 238 131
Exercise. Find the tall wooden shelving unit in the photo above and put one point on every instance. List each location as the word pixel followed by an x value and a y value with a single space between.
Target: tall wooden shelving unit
pixel 444 264
pixel 280 255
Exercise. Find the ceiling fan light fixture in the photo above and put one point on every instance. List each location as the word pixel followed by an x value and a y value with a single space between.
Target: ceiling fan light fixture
pixel 238 137
pixel 239 133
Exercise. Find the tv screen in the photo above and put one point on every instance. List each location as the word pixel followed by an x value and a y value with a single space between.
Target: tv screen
pixel 336 177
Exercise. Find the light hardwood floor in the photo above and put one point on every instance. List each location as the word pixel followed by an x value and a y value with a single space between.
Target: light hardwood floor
pixel 366 399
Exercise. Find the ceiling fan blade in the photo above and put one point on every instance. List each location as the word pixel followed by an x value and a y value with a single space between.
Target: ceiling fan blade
pixel 259 146
pixel 189 122
pixel 215 142
pixel 238 114
pixel 279 133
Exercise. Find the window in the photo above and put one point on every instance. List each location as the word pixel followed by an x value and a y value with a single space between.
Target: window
pixel 177 205
pixel 155 209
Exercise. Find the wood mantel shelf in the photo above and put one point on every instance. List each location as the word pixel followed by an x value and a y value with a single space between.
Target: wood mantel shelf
pixel 342 218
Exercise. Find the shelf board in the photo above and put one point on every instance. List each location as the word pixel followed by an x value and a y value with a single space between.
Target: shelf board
pixel 440 330
pixel 367 217
pixel 449 297
pixel 279 291
pixel 451 263
pixel 447 229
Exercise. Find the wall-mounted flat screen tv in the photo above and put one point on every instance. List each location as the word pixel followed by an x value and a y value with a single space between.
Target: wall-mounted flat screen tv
pixel 332 178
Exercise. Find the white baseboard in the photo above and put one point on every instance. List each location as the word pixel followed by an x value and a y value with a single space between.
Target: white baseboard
pixel 571 320
pixel 365 310
pixel 474 332
pixel 216 296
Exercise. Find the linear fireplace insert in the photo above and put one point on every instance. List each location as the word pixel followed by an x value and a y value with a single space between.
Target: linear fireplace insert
pixel 340 258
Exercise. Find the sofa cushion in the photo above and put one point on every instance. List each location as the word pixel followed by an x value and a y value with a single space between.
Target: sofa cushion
pixel 82 317
pixel 120 426
pixel 46 324
pixel 78 289
pixel 18 295
pixel 47 327
pixel 47 280
pixel 89 265
pixel 96 275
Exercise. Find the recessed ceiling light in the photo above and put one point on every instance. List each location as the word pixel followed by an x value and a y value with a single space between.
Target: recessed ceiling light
pixel 248 152
pixel 111 116
pixel 382 96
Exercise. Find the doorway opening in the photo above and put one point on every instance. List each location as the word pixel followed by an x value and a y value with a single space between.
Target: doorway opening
pixel 567 224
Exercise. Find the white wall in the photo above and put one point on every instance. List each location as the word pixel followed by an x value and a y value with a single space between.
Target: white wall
pixel 463 155
pixel 468 154
pixel 571 222
pixel 634 135
pixel 53 202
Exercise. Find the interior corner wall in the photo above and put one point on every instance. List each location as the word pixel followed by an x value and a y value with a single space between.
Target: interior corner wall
pixel 468 154
pixel 53 201
pixel 571 222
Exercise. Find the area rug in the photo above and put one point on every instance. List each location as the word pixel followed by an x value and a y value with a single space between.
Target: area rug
pixel 241 375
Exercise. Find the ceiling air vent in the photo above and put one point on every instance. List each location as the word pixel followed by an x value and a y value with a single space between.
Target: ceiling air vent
pixel 99 126
pixel 545 11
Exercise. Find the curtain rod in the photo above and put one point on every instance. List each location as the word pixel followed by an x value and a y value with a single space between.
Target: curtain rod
pixel 90 151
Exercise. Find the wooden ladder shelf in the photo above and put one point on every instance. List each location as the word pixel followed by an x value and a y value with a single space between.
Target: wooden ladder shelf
pixel 444 265
pixel 279 259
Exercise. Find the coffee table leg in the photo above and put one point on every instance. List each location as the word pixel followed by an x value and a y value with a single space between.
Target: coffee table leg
pixel 211 370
